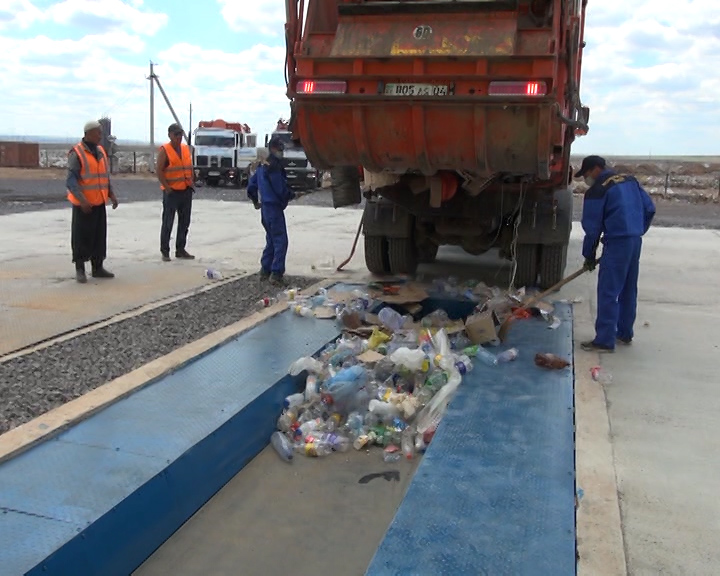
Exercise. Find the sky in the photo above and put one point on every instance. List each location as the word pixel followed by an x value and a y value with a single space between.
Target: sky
pixel 651 69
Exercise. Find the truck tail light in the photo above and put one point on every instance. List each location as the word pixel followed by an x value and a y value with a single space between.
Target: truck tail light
pixel 321 87
pixel 533 88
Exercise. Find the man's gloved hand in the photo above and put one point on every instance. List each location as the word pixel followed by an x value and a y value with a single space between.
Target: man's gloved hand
pixel 590 264
pixel 256 204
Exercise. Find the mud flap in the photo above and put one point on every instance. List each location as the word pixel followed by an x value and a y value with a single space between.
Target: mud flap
pixel 547 219
pixel 388 220
pixel 345 186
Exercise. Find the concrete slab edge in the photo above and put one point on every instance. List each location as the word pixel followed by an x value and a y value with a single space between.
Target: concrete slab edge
pixel 119 317
pixel 27 435
pixel 600 542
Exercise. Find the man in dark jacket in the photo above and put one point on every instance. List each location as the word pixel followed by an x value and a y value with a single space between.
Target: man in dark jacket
pixel 270 193
pixel 617 211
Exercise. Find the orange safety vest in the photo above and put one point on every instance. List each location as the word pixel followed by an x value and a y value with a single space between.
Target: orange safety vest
pixel 179 171
pixel 94 178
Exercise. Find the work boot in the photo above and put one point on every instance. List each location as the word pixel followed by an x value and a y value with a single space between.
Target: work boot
pixel 626 341
pixel 592 347
pixel 264 274
pixel 183 255
pixel 277 280
pixel 166 256
pixel 102 273
pixel 80 276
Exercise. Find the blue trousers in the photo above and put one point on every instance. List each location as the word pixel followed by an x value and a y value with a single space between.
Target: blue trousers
pixel 276 239
pixel 617 290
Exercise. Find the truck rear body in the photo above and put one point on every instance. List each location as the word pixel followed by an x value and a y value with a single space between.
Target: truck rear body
pixel 472 95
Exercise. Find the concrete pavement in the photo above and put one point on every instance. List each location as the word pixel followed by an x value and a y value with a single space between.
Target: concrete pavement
pixel 658 433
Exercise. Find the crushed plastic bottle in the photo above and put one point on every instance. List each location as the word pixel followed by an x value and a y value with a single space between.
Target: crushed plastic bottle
pixel 303 311
pixel 408 443
pixel 303 364
pixel 314 449
pixel 508 355
pixel 294 400
pixel 282 446
pixel 391 319
pixel 212 274
pixel 600 375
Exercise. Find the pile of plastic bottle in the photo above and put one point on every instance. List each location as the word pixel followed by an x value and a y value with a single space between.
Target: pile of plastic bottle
pixel 394 403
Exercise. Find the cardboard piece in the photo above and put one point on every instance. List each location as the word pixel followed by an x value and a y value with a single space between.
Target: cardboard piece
pixel 351 321
pixel 370 357
pixel 482 328
pixel 324 313
pixel 340 297
pixel 455 327
pixel 406 294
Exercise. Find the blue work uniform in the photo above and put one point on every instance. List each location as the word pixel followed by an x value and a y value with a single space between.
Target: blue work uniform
pixel 617 211
pixel 269 187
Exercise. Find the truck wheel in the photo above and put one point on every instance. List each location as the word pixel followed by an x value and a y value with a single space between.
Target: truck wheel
pixel 345 186
pixel 553 260
pixel 427 253
pixel 377 258
pixel 527 259
pixel 403 255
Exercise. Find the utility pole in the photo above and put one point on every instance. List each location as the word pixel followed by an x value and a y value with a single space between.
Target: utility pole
pixel 152 118
pixel 190 126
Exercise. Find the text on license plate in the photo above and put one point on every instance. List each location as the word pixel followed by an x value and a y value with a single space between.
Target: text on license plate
pixel 416 90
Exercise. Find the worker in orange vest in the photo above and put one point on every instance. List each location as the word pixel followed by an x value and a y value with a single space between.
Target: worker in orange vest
pixel 89 189
pixel 174 170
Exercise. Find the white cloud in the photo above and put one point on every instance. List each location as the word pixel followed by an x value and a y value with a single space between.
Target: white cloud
pixel 18 14
pixel 266 16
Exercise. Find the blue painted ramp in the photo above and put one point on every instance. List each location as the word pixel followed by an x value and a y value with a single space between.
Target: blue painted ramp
pixel 101 497
pixel 495 492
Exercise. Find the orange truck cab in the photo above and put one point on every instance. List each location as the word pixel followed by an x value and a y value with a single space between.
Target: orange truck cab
pixel 461 113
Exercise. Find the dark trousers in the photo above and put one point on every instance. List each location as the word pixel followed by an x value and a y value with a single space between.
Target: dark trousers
pixel 180 202
pixel 88 236
pixel 276 239
pixel 617 290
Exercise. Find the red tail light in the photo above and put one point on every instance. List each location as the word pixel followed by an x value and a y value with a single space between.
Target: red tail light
pixel 533 88
pixel 321 87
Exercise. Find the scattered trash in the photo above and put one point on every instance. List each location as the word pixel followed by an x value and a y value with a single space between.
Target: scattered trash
pixel 326 264
pixel 646 324
pixel 551 361
pixel 600 375
pixel 388 379
pixel 265 303
pixel 212 274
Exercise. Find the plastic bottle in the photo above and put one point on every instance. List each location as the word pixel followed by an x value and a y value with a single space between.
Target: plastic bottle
pixel 391 319
pixel 464 365
pixel 212 274
pixel 287 419
pixel 413 360
pixel 307 363
pixel 508 355
pixel 294 400
pixel 315 449
pixel 265 302
pixel 311 388
pixel 487 358
pixel 337 442
pixel 600 375
pixel 303 311
pixel 282 446
pixel 407 443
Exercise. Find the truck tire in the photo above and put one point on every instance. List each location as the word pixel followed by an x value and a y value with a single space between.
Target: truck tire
pixel 377 259
pixel 345 186
pixel 403 255
pixel 553 260
pixel 427 253
pixel 527 265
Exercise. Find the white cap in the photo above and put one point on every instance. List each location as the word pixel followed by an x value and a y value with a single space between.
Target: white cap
pixel 92 125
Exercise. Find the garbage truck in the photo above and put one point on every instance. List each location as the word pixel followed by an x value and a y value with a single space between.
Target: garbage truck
pixel 223 152
pixel 461 114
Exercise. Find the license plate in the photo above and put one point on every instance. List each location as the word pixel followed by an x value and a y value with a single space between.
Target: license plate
pixel 213 173
pixel 416 90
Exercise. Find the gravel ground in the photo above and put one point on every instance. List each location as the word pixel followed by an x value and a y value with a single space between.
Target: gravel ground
pixel 27 195
pixel 40 381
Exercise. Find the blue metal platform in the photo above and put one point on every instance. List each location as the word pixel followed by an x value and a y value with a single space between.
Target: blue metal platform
pixel 494 493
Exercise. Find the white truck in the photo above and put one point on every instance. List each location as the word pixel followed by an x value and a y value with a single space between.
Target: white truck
pixel 301 174
pixel 223 152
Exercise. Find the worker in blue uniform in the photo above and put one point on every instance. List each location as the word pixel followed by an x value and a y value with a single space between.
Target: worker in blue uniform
pixel 269 192
pixel 617 211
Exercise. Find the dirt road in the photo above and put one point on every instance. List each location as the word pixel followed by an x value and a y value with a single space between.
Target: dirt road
pixel 26 192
